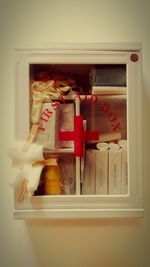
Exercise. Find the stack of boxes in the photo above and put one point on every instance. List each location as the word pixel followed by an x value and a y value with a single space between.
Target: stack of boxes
pixel 105 172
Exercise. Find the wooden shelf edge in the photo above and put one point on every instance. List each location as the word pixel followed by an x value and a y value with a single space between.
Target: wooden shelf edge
pixel 79 214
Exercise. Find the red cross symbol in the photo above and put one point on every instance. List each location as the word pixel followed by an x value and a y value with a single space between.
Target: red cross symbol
pixel 79 136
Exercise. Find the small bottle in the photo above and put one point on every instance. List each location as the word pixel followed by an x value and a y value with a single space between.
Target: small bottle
pixel 53 179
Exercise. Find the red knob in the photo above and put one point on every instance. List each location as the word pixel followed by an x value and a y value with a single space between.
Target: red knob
pixel 134 57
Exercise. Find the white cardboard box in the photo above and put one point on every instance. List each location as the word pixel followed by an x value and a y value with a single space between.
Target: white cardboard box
pixel 124 172
pixel 67 121
pixel 114 172
pixel 47 134
pixel 101 172
pixel 88 186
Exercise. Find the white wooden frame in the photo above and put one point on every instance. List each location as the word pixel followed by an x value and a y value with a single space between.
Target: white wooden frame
pixel 77 206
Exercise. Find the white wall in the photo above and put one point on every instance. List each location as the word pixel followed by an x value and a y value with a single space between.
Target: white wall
pixel 106 243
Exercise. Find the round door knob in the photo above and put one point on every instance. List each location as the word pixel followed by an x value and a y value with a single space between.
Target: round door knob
pixel 134 57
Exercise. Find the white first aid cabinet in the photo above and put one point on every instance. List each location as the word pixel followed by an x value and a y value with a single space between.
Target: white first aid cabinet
pixel 108 183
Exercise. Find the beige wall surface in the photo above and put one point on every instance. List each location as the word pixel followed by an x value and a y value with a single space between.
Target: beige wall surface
pixel 70 243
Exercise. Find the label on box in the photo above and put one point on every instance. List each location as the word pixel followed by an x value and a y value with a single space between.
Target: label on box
pixel 47 134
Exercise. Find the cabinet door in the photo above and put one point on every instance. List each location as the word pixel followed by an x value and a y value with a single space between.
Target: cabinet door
pixel 107 182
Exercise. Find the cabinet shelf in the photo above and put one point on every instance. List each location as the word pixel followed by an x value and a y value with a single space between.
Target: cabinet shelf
pixel 92 97
pixel 59 151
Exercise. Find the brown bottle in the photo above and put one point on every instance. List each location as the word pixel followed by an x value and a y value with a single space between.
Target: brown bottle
pixel 52 179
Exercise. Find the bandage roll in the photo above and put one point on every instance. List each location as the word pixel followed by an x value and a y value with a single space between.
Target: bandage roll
pixel 102 146
pixel 122 143
pixel 113 146
pixel 110 137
